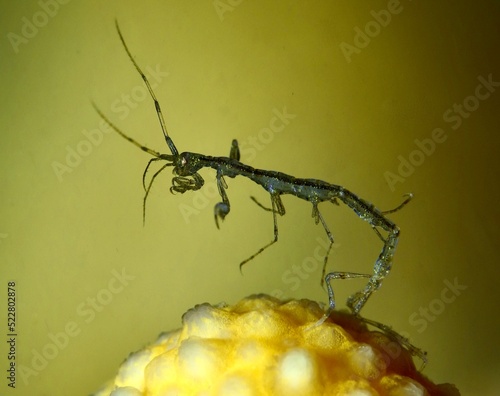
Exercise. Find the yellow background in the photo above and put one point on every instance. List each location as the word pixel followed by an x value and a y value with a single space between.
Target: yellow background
pixel 62 237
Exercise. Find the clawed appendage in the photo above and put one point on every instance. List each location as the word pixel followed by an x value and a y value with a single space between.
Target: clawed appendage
pixel 221 209
pixel 388 331
pixel 182 184
pixel 401 340
pixel 185 167
pixel 340 275
pixel 383 264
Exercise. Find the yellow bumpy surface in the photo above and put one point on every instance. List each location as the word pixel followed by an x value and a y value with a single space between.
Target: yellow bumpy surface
pixel 263 346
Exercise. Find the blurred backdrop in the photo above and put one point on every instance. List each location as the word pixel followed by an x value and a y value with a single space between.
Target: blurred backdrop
pixel 382 97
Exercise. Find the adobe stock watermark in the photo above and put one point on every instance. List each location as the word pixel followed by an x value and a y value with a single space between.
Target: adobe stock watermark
pixel 249 149
pixel 387 351
pixel 94 137
pixel 454 116
pixel 31 26
pixel 223 6
pixel 298 273
pixel 363 37
pixel 86 311
pixel 437 306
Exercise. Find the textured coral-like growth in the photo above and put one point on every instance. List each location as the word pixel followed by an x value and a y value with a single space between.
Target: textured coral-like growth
pixel 263 346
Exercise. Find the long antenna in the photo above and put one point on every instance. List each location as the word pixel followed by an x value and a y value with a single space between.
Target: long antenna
pixel 134 142
pixel 170 142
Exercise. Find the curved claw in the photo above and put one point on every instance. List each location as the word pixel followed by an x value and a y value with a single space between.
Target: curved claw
pixel 221 210
pixel 181 184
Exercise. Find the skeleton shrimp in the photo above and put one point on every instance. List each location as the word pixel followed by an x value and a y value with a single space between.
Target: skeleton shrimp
pixel 186 177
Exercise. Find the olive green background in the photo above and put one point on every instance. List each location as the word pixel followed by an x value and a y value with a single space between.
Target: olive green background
pixel 67 229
